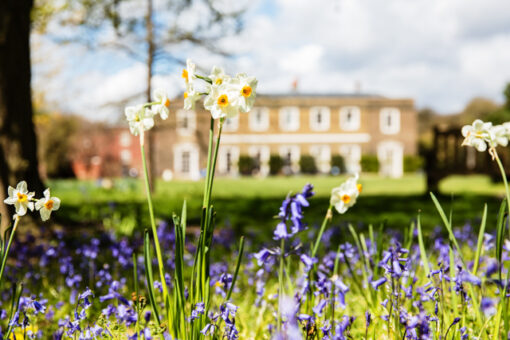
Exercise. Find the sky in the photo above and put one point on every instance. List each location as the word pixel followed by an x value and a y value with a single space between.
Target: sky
pixel 441 53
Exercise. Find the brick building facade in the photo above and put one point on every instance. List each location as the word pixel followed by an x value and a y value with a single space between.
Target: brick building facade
pixel 286 125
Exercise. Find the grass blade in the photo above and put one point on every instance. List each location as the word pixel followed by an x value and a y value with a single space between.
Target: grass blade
pixel 148 275
pixel 16 296
pixel 238 265
pixel 479 245
pixel 423 252
pixel 448 226
pixel 500 234
pixel 410 236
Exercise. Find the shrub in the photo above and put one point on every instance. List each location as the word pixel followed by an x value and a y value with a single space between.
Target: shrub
pixel 413 163
pixel 369 163
pixel 307 164
pixel 338 164
pixel 246 165
pixel 275 164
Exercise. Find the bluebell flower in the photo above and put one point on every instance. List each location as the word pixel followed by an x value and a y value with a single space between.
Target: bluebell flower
pixel 281 231
pixel 320 307
pixel 208 329
pixel 262 256
pixel 377 283
pixel 308 261
pixel 198 310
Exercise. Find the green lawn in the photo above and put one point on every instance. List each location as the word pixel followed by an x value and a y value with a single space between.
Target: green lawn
pixel 250 203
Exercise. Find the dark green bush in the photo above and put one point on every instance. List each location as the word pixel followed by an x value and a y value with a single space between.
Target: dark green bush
pixel 413 163
pixel 338 163
pixel 369 163
pixel 307 165
pixel 275 164
pixel 246 165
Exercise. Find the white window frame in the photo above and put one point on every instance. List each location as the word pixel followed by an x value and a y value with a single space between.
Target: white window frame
pixel 261 125
pixel 324 125
pixel 295 117
pixel 126 157
pixel 125 139
pixel 354 123
pixel 394 114
pixel 192 122
pixel 295 154
pixel 265 153
pixel 179 149
pixel 223 158
pixel 352 157
pixel 231 124
pixel 322 156
pixel 391 167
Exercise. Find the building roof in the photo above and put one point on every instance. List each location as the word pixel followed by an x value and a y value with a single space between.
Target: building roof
pixel 319 95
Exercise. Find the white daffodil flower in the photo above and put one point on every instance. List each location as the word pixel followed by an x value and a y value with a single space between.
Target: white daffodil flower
pixel 47 204
pixel 477 135
pixel 190 98
pixel 221 101
pixel 218 76
pixel 507 128
pixel 246 87
pixel 163 103
pixel 498 135
pixel 189 74
pixel 345 196
pixel 20 198
pixel 139 118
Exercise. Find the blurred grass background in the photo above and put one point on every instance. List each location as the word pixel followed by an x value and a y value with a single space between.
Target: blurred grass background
pixel 248 205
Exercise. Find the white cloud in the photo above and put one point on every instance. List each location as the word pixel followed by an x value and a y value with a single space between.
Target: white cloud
pixel 441 53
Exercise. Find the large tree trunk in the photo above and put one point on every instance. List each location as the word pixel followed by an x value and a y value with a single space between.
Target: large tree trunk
pixel 18 156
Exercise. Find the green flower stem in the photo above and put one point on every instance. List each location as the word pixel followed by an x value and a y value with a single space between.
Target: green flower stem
pixel 280 283
pixel 5 252
pixel 503 175
pixel 215 157
pixel 311 273
pixel 209 156
pixel 327 218
pixel 153 222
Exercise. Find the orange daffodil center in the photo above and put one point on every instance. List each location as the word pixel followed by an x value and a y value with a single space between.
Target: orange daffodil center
pixel 346 198
pixel 49 204
pixel 22 198
pixel 185 75
pixel 246 91
pixel 223 100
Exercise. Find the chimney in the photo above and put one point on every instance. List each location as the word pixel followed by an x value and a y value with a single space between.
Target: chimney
pixel 357 87
pixel 294 85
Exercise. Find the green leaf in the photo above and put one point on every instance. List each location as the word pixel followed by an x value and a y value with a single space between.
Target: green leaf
pixel 238 265
pixel 423 252
pixel 448 226
pixel 148 275
pixel 479 244
pixel 410 236
pixel 500 228
pixel 16 296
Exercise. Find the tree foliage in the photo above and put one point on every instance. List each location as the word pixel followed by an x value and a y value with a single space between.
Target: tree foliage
pixel 169 26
